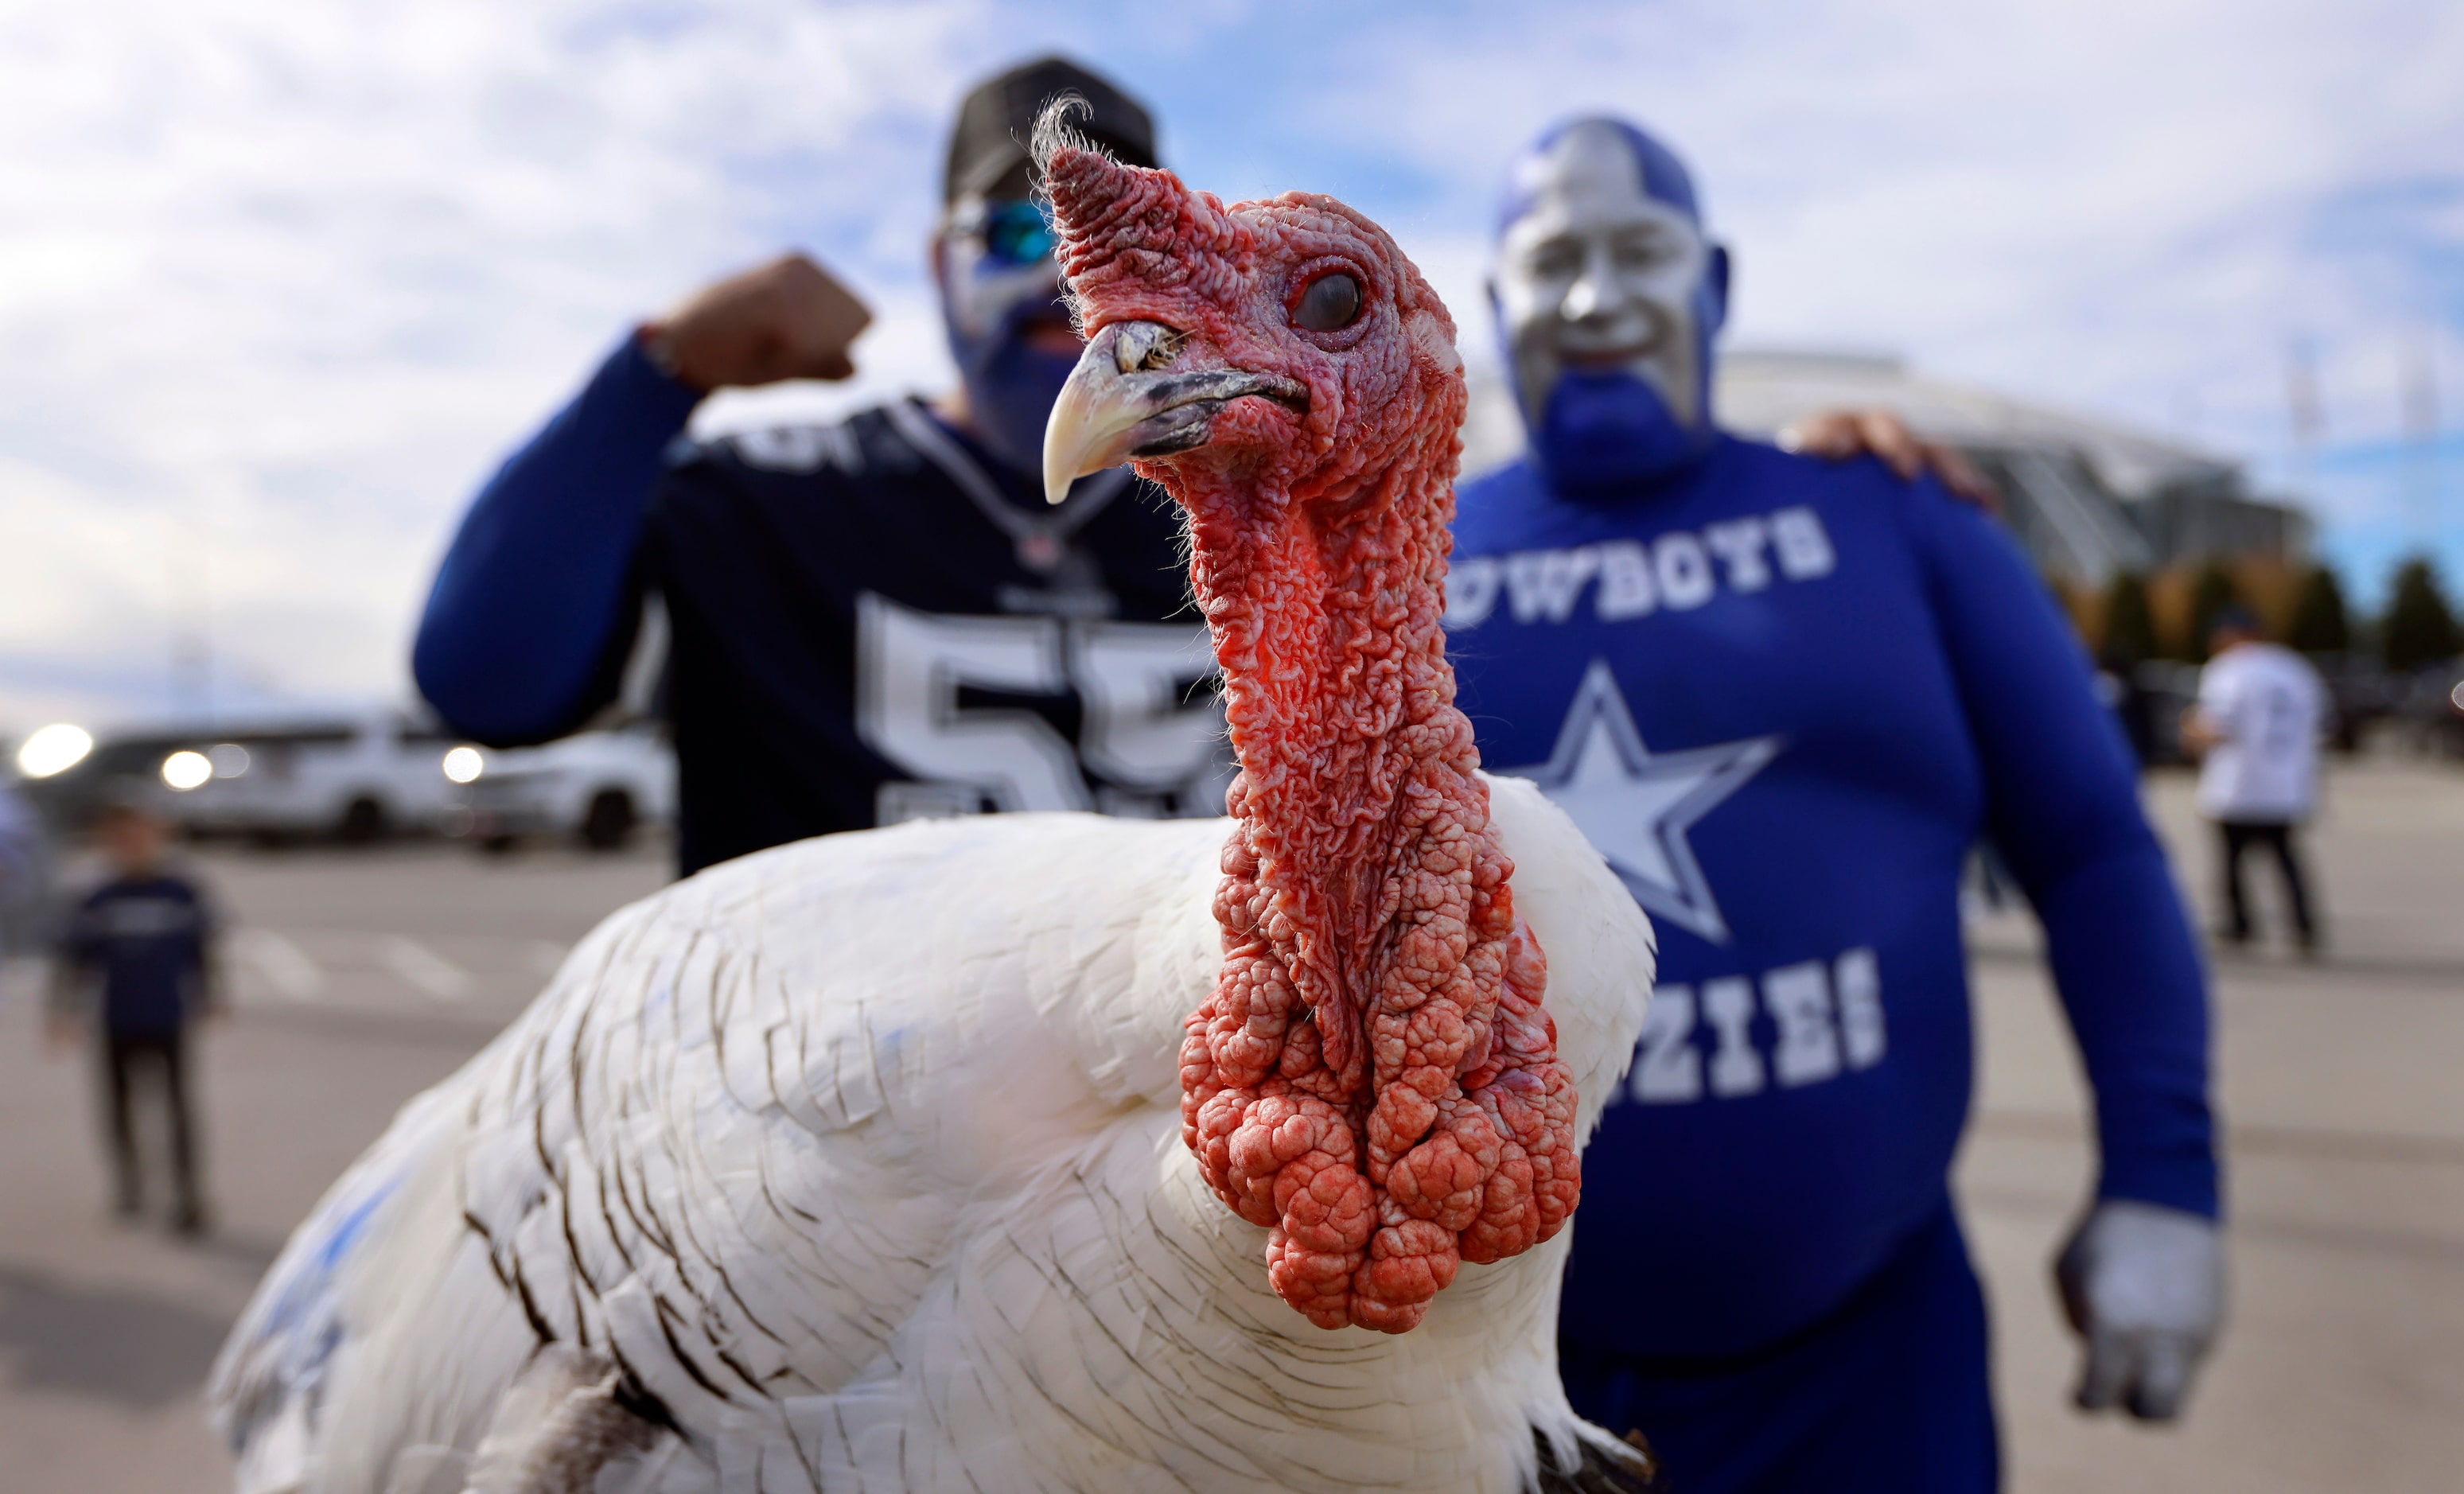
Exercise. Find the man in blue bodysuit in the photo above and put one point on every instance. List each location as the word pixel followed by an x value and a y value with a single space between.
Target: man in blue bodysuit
pixel 1784 699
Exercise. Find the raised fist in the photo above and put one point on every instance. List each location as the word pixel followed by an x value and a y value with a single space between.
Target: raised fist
pixel 783 320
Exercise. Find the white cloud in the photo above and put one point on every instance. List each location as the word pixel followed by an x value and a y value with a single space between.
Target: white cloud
pixel 278 282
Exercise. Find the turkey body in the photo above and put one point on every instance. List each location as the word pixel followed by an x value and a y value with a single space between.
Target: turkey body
pixel 857 1164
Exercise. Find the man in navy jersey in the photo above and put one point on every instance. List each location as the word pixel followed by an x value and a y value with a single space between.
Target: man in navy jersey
pixel 133 969
pixel 1784 699
pixel 871 620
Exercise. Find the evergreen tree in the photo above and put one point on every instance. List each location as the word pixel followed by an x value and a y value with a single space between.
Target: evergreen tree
pixel 2319 624
pixel 2419 628
pixel 2210 595
pixel 2129 627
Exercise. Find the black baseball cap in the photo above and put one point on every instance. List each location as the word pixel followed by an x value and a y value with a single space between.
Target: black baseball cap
pixel 996 119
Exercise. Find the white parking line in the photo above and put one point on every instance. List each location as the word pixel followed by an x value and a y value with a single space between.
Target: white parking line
pixel 284 965
pixel 419 966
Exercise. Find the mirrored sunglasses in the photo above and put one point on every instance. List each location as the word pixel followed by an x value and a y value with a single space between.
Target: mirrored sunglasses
pixel 1017 233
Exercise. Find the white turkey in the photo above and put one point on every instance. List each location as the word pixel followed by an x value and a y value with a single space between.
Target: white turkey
pixel 1048 1151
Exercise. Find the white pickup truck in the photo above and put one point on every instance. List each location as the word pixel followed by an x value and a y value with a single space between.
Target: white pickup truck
pixel 597 786
pixel 356 774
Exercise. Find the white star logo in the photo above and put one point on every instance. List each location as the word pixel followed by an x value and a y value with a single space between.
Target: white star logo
pixel 1635 806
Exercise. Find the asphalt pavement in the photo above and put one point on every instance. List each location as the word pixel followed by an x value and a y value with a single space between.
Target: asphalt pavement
pixel 360 977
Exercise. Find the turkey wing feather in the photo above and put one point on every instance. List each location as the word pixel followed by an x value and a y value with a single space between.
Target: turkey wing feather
pixel 859 1160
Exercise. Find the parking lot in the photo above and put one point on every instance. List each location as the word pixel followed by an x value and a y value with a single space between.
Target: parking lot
pixel 360 977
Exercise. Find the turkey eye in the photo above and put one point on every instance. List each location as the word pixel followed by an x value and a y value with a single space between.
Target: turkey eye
pixel 1330 303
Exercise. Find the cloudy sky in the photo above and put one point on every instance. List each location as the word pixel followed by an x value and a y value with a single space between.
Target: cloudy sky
pixel 280 281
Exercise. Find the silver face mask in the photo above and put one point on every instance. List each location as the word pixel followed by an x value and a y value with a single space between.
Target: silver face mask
pixel 1599 276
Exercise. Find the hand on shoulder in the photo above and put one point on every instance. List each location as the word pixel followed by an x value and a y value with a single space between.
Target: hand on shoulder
pixel 788 318
pixel 1839 436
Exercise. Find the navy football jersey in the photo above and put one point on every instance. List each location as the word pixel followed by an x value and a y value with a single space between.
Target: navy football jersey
pixel 865 632
pixel 870 620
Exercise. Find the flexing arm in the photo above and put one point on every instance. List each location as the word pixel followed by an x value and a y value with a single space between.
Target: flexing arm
pixel 535 601
pixel 2142 1278
pixel 533 607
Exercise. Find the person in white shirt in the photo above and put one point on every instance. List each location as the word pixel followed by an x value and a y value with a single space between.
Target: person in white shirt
pixel 2256 729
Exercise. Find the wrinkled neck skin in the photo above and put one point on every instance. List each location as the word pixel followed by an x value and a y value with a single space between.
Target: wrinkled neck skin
pixel 1374 1077
pixel 1325 617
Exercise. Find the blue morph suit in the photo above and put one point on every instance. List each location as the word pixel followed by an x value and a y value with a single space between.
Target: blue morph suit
pixel 1784 699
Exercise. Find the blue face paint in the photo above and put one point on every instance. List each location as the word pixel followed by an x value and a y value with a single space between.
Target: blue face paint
pixel 999 282
pixel 1609 429
pixel 1011 385
pixel 1608 296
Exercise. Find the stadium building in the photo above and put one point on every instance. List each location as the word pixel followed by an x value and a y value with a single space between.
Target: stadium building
pixel 2088 497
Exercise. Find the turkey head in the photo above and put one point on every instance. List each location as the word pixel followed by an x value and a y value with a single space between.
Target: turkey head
pixel 1374 1078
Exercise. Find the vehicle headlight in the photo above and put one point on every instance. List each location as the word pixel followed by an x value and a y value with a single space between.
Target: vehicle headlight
pixel 463 764
pixel 184 770
pixel 230 760
pixel 54 749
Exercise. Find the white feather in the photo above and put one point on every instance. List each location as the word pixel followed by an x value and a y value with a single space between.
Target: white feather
pixel 862 1156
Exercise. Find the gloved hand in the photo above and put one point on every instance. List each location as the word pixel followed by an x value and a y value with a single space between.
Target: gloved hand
pixel 2145 1286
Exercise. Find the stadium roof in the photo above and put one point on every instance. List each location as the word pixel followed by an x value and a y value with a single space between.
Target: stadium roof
pixel 1761 390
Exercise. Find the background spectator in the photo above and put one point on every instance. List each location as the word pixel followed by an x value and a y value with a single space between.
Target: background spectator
pixel 2261 712
pixel 134 969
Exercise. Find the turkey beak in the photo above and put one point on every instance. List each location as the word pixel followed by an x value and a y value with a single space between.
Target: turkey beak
pixel 1123 402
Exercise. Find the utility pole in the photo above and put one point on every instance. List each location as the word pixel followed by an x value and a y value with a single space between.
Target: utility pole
pixel 192 646
pixel 2309 420
pixel 2421 442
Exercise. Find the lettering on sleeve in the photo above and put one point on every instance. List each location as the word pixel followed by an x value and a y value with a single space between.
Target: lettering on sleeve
pixel 1472 593
pixel 1675 572
pixel 1683 570
pixel 1729 1006
pixel 1801 543
pixel 1826 1021
pixel 1667 1066
pixel 1739 544
pixel 1626 589
pixel 1859 981
pixel 1799 998
pixel 798 449
pixel 1543 585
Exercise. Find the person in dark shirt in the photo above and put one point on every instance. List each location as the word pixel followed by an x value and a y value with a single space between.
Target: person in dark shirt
pixel 871 621
pixel 134 969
